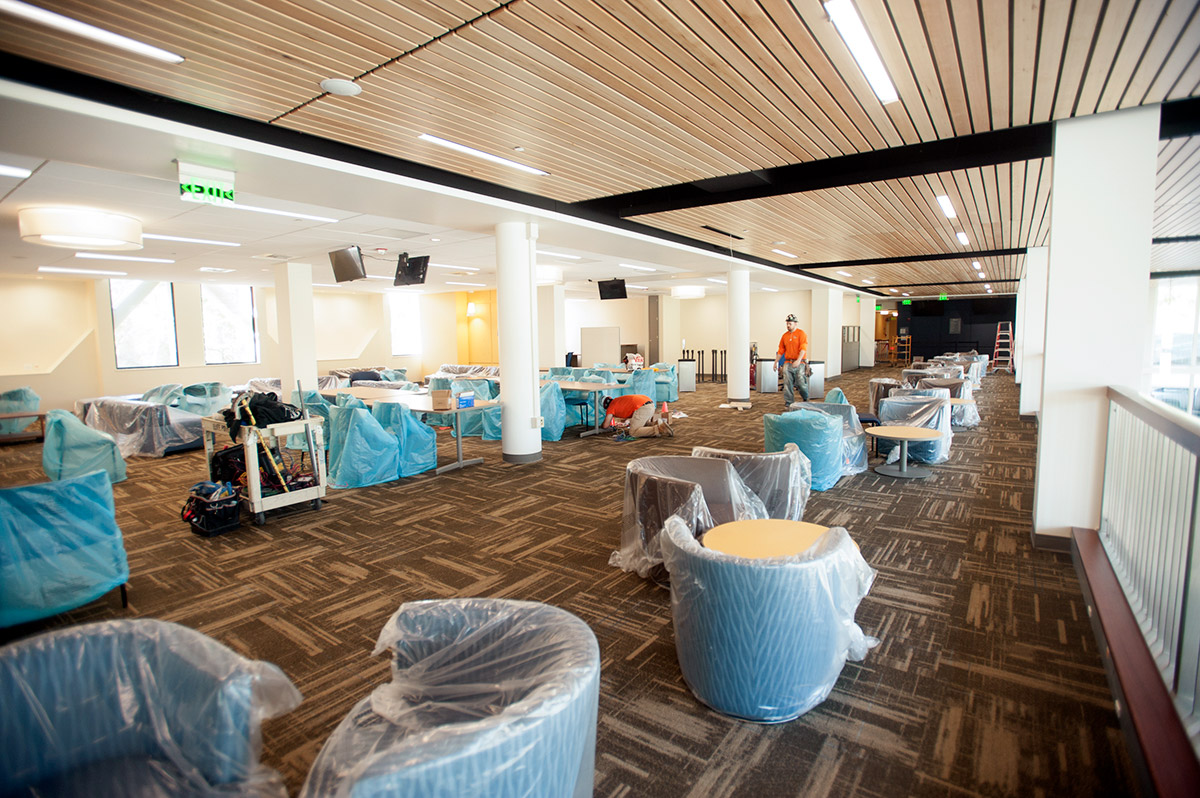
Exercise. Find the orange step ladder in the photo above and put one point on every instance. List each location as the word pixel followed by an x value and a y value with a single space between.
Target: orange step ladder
pixel 1002 353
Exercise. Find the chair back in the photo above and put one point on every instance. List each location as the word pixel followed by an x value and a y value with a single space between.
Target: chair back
pixel 783 480
pixel 932 412
pixel 878 388
pixel 361 451
pixel 17 400
pixel 417 441
pixel 72 449
pixel 854 440
pixel 819 436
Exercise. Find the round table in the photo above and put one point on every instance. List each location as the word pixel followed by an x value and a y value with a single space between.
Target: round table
pixel 763 537
pixel 903 435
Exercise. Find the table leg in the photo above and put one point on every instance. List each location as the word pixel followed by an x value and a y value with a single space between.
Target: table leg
pixel 595 430
pixel 903 455
pixel 458 462
pixel 901 469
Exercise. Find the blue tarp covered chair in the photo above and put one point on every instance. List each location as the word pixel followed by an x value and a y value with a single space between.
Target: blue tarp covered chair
pixel 73 449
pixel 552 408
pixel 819 436
pixel 417 441
pixel 168 394
pixel 317 406
pixel 642 382
pixel 666 378
pixel 350 400
pixel 361 451
pixel 60 548
pixel 205 398
pixel 136 707
pixel 470 422
pixel 17 400
pixel 854 440
pixel 765 639
pixel 394 375
pixel 836 397
pixel 489 697
pixel 932 412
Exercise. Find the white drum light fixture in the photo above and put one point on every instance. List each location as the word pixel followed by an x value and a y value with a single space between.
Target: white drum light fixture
pixel 79 228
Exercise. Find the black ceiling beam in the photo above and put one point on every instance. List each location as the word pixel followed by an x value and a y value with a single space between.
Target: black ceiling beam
pixel 1176 240
pixel 947 155
pixel 1179 119
pixel 980 253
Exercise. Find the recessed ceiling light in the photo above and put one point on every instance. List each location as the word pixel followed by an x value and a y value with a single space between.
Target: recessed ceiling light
pixel 341 87
pixel 778 243
pixel 975 263
pixel 435 240
pixel 474 285
pixel 14 171
pixel 845 274
pixel 487 156
pixel 214 270
pixel 558 254
pixel 106 256
pixel 849 26
pixel 868 282
pixel 74 26
pixel 378 277
pixel 456 268
pixel 183 240
pixel 771 290
pixel 947 208
pixel 65 270
pixel 715 280
pixel 639 268
pixel 988 287
pixel 962 238
pixel 904 294
pixel 893 290
pixel 981 275
pixel 784 254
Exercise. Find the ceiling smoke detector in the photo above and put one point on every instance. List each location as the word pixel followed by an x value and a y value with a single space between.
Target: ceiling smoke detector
pixel 340 87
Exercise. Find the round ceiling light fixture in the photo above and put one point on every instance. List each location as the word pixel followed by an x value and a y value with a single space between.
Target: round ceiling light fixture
pixel 340 87
pixel 79 228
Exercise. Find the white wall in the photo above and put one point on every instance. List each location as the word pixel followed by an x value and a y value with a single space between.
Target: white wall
pixel 632 315
pixel 702 322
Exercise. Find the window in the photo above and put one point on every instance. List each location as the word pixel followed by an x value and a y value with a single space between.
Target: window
pixel 405 312
pixel 143 315
pixel 1174 376
pixel 229 332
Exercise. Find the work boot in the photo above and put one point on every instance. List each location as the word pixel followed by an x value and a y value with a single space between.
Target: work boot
pixel 665 429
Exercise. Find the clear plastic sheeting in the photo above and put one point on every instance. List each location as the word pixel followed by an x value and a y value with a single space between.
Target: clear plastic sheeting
pixel 489 698
pixel 417 441
pixel 72 449
pixel 140 428
pixel 704 491
pixel 361 451
pixel 399 385
pixel 17 400
pixel 136 707
pixel 169 394
pixel 819 436
pixel 60 547
pixel 917 411
pixel 325 382
pixel 836 397
pixel 964 415
pixel 879 388
pixel 456 371
pixel 765 639
pixel 854 440
pixel 205 398
pixel 783 480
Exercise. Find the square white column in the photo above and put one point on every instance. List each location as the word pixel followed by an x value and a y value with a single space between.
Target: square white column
pixel 1031 329
pixel 825 337
pixel 297 328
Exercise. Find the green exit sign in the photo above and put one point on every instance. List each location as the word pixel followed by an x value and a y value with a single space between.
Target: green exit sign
pixel 906 302
pixel 879 307
pixel 943 297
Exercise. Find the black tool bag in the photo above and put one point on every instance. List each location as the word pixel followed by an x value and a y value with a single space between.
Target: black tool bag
pixel 260 410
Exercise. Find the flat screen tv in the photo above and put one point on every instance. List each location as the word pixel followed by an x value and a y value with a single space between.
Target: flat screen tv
pixel 612 289
pixel 411 271
pixel 347 264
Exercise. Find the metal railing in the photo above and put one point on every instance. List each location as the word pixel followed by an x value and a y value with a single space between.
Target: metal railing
pixel 1148 525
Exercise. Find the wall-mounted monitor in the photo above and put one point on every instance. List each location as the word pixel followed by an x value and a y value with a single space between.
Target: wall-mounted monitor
pixel 612 289
pixel 411 271
pixel 347 264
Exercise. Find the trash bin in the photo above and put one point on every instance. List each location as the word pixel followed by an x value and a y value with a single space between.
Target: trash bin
pixel 766 379
pixel 816 383
pixel 686 374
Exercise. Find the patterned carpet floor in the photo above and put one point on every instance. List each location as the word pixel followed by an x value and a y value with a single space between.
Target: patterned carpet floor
pixel 986 681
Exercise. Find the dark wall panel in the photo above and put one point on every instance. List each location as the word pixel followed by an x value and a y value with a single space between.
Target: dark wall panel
pixel 955 325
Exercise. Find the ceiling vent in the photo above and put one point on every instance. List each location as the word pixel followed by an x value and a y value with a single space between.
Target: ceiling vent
pixel 271 256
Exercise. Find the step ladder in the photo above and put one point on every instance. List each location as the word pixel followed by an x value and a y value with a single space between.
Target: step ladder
pixel 1002 353
pixel 903 354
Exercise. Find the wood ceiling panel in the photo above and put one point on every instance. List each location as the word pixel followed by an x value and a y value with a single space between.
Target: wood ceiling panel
pixel 1156 52
pixel 1183 54
pixel 1084 25
pixel 1175 257
pixel 1142 25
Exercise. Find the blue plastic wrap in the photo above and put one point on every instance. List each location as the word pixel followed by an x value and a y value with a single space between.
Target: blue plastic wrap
pixel 169 394
pixel 350 400
pixel 60 547
pixel 16 401
pixel 417 441
pixel 666 377
pixel 489 698
pixel 818 435
pixel 205 398
pixel 470 422
pixel 641 382
pixel 932 412
pixel 854 440
pixel 836 397
pixel 318 407
pixel 765 639
pixel 72 449
pixel 395 375
pixel 137 707
pixel 552 407
pixel 361 451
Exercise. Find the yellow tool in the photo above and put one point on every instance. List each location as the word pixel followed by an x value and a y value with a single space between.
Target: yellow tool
pixel 245 402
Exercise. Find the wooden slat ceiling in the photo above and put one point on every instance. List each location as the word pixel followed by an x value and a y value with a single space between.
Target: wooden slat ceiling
pixel 625 95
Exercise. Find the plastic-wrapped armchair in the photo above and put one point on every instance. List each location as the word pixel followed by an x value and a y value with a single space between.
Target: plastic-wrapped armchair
pixel 169 394
pixel 765 640
pixel 964 415
pixel 18 400
pixel 205 398
pixel 417 441
pixel 932 412
pixel 819 436
pixel 136 707
pixel 317 406
pixel 643 382
pixel 854 440
pixel 361 451
pixel 552 407
pixel 60 548
pixel 666 379
pixel 705 491
pixel 73 449
pixel 879 388
pixel 783 480
pixel 489 698
pixel 470 423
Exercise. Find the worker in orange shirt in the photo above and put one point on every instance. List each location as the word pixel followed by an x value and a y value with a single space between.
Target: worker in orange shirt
pixel 644 420
pixel 793 359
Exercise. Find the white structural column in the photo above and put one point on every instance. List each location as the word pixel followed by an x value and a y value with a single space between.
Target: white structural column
pixel 866 333
pixel 297 327
pixel 520 425
pixel 737 303
pixel 552 325
pixel 825 337
pixel 1096 316
pixel 1031 329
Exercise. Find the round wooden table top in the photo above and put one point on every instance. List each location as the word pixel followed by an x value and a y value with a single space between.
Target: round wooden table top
pixel 958 400
pixel 763 537
pixel 897 433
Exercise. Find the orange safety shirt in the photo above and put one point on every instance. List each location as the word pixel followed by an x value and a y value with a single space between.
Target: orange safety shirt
pixel 623 406
pixel 792 344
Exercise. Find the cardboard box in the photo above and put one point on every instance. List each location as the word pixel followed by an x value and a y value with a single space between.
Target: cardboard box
pixel 466 399
pixel 440 399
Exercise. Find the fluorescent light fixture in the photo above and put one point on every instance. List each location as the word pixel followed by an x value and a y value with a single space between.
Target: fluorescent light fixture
pixel 784 254
pixel 772 290
pixel 639 268
pixel 487 156
pixel 558 254
pixel 106 256
pixel 183 240
pixel 274 211
pixel 326 285
pixel 74 26
pixel 988 287
pixel 214 270
pixel 378 277
pixel 868 282
pixel 687 291
pixel 883 312
pixel 962 238
pixel 14 171
pixel 849 26
pixel 904 294
pixel 989 290
pixel 79 228
pixel 716 280
pixel 473 285
pixel 456 268
pixel 975 263
pixel 845 274
pixel 65 270
pixel 639 287
pixel 947 208
pixel 893 290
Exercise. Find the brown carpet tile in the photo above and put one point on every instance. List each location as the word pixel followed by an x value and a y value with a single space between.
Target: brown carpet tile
pixel 987 680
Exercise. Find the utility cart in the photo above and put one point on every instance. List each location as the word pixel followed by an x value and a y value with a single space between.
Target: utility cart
pixel 270 436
